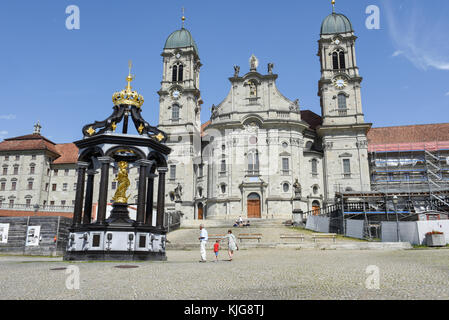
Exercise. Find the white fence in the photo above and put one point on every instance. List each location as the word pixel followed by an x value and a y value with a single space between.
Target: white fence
pixel 413 232
pixel 318 224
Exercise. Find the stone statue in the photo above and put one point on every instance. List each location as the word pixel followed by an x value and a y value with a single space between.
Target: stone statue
pixel 252 89
pixel 270 68
pixel 297 188
pixel 178 192
pixel 253 63
pixel 236 71
pixel 123 183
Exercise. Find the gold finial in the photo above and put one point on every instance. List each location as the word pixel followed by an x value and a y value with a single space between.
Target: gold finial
pixel 130 77
pixel 333 6
pixel 183 18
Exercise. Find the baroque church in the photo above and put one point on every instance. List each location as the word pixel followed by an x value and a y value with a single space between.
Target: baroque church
pixel 259 149
pixel 257 154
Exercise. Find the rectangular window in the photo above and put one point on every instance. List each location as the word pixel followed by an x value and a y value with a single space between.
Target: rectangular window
pixel 200 170
pixel 66 172
pixel 142 241
pixel 28 203
pixel 46 186
pixel 172 172
pixel 2 186
pixel 285 165
pixel 17 158
pixel 64 186
pixel 53 187
pixel 5 171
pixel 137 184
pixel 32 170
pixel 96 241
pixel 223 166
pixel 13 186
pixel 74 186
pixel 33 157
pixel 11 203
pixel 347 168
pixel 63 203
pixel 52 203
pixel 16 170
pixel 30 185
pixel 55 172
pixel 6 158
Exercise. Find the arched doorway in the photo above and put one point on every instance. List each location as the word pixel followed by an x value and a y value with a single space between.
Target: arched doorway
pixel 200 211
pixel 316 208
pixel 253 206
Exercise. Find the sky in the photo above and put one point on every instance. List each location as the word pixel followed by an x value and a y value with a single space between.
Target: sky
pixel 66 78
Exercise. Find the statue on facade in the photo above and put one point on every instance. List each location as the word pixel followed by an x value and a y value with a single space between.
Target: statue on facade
pixel 253 63
pixel 236 71
pixel 178 192
pixel 297 188
pixel 270 68
pixel 252 89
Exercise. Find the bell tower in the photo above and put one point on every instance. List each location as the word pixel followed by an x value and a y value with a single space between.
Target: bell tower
pixel 179 114
pixel 344 129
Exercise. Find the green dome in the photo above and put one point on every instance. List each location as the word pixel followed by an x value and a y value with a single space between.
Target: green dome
pixel 181 39
pixel 336 23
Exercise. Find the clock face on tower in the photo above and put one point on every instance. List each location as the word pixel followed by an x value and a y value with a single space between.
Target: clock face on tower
pixel 340 83
pixel 176 94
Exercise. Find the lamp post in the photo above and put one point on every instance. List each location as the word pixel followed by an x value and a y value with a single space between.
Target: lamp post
pixel 395 203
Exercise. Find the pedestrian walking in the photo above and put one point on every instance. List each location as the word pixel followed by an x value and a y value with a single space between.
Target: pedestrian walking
pixel 216 249
pixel 203 242
pixel 232 244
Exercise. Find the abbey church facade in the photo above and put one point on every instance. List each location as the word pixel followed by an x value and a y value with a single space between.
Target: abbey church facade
pixel 257 154
pixel 259 149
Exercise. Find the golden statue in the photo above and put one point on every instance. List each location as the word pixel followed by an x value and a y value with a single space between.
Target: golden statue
pixel 123 183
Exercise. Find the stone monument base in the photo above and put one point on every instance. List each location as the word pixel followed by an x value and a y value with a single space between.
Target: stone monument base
pixel 114 242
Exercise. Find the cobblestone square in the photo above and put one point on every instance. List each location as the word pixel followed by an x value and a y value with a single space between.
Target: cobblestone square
pixel 258 274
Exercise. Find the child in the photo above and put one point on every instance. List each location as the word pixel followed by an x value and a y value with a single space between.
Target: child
pixel 216 249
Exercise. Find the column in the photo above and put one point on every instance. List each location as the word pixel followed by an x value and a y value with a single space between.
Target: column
pixel 142 190
pixel 104 185
pixel 87 218
pixel 79 197
pixel 161 198
pixel 150 195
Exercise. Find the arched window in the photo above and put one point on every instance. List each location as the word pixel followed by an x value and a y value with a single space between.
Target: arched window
pixel 342 101
pixel 175 112
pixel 285 187
pixel 223 188
pixel 338 60
pixel 335 63
pixel 177 73
pixel 253 162
pixel 341 56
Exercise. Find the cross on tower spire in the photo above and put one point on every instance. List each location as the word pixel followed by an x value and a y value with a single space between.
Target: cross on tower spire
pixel 333 6
pixel 183 18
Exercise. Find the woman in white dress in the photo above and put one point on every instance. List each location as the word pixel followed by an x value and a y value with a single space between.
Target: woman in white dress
pixel 232 244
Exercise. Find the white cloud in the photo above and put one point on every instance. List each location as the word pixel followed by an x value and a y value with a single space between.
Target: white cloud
pixel 420 42
pixel 7 116
pixel 3 134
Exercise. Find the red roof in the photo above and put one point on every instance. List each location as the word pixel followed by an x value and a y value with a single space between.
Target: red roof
pixel 65 153
pixel 204 126
pixel 311 118
pixel 405 138
pixel 68 152
pixel 28 142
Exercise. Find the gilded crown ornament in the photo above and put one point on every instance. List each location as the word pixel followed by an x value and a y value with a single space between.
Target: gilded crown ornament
pixel 128 96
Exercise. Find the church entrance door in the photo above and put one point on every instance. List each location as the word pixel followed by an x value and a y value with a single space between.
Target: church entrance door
pixel 254 206
pixel 200 211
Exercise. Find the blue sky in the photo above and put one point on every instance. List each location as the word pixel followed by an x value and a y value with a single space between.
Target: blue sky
pixel 66 78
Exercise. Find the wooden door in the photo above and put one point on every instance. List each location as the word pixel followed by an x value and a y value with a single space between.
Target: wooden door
pixel 254 206
pixel 200 211
pixel 316 208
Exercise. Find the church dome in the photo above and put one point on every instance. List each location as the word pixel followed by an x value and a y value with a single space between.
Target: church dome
pixel 336 23
pixel 181 39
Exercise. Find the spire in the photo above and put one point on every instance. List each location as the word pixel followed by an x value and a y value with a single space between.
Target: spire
pixel 183 18
pixel 37 128
pixel 130 77
pixel 333 6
